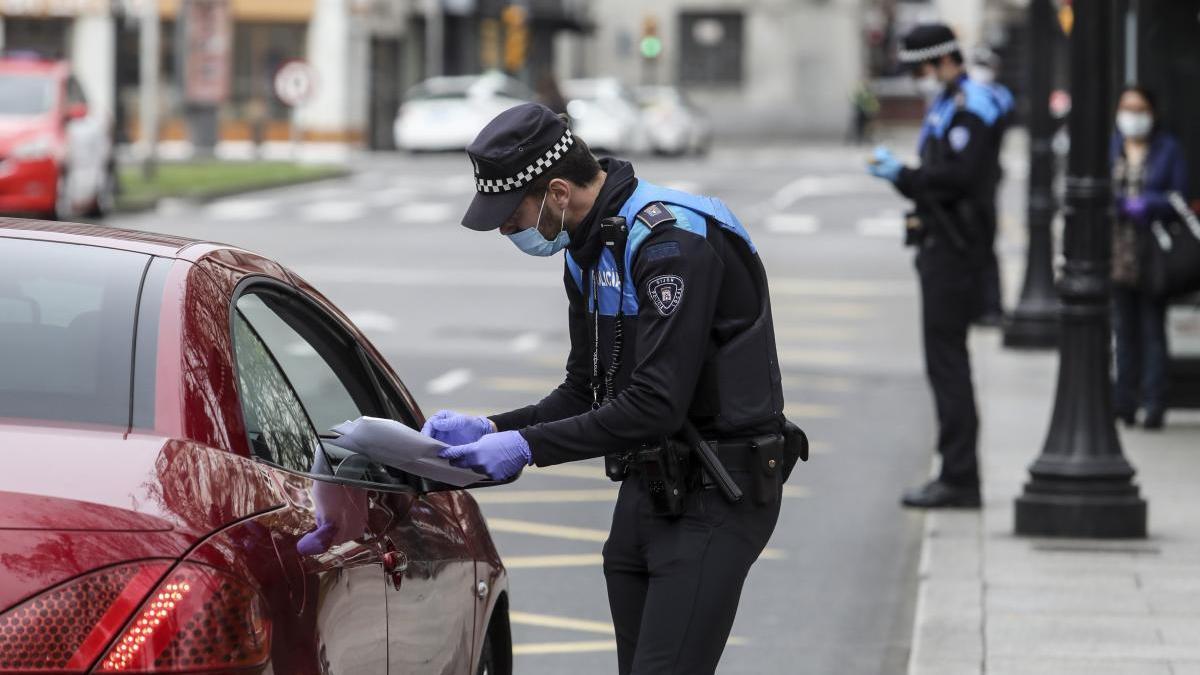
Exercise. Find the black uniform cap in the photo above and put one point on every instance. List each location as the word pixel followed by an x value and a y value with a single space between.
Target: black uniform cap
pixel 927 42
pixel 516 147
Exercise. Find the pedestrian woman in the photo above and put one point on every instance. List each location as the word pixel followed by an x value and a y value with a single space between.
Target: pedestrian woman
pixel 1148 164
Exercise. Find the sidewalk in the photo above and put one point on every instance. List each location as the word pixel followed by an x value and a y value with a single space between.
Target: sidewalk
pixel 990 602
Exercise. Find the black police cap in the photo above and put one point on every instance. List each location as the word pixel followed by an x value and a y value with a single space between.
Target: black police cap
pixel 927 42
pixel 516 147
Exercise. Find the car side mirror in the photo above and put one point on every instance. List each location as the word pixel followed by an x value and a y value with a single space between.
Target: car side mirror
pixel 76 111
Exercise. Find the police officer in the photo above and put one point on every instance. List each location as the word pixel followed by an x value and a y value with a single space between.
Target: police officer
pixel 671 329
pixel 952 190
pixel 985 63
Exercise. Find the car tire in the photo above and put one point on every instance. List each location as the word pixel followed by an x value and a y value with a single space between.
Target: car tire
pixel 106 195
pixel 62 209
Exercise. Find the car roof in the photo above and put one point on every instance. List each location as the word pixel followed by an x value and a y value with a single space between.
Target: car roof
pixel 151 243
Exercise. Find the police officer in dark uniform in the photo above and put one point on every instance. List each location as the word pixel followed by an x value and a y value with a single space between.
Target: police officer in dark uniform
pixel 952 190
pixel 672 361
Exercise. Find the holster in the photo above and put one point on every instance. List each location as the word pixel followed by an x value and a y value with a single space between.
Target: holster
pixel 767 459
pixel 665 471
pixel 795 447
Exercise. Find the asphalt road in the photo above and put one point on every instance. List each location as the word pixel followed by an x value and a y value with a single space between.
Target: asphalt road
pixel 472 324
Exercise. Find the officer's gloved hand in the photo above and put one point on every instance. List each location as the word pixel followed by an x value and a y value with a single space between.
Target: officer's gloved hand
pixel 884 165
pixel 453 428
pixel 1135 207
pixel 501 455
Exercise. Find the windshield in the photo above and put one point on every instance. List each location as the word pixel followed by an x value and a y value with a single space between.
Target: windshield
pixel 66 331
pixel 25 95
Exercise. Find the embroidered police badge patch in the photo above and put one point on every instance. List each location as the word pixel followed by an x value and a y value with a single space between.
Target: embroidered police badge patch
pixel 655 214
pixel 665 293
pixel 959 137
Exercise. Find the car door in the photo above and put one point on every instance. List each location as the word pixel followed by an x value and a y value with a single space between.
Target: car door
pixel 429 572
pixel 329 541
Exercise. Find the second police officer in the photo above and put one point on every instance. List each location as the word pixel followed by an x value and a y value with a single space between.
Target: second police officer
pixel 672 346
pixel 952 191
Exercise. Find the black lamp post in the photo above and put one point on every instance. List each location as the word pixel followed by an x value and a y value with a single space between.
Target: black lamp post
pixel 1034 322
pixel 1081 485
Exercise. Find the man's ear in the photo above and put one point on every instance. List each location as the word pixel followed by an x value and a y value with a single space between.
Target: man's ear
pixel 560 191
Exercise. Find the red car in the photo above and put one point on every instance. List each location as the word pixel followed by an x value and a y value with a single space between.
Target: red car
pixel 169 501
pixel 56 152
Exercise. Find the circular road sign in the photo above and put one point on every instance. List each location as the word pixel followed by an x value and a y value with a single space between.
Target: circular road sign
pixel 294 82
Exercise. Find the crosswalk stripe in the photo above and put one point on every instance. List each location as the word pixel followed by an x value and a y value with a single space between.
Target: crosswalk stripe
pixel 449 381
pixel 816 357
pixel 815 332
pixel 792 223
pixel 511 526
pixel 809 311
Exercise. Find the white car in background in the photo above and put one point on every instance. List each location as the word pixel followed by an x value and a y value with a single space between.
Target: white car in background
pixel 675 125
pixel 605 114
pixel 446 113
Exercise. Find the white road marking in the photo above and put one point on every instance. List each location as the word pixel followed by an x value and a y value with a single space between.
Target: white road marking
pixel 810 410
pixel 683 186
pixel 545 496
pixel 333 211
pixel 514 562
pixel 512 526
pixel 793 223
pixel 805 187
pixel 888 225
pixel 565 623
pixel 390 196
pixel 369 320
pixel 424 212
pixel 538 648
pixel 242 209
pixel 816 357
pixel 448 382
pixel 525 343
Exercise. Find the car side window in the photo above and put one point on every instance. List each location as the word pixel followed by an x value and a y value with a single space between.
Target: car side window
pixel 278 427
pixel 324 369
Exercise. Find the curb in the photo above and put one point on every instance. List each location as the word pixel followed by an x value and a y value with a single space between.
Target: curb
pixel 948 624
pixel 197 200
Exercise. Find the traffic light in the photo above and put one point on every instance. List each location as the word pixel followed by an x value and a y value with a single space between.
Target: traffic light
pixel 516 37
pixel 651 44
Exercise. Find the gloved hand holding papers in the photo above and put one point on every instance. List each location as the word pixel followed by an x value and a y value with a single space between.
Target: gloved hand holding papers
pixel 393 444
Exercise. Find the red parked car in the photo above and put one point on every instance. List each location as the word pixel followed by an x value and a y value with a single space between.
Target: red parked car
pixel 56 151
pixel 169 501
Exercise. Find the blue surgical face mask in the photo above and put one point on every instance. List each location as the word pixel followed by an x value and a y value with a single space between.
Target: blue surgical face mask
pixel 532 242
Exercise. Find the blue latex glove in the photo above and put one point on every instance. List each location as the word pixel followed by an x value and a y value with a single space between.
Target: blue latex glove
pixel 1135 207
pixel 319 540
pixel 501 455
pixel 885 165
pixel 452 428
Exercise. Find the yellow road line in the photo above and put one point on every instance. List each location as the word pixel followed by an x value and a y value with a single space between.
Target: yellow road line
pixel 538 648
pixel 545 530
pixel 565 623
pixel 545 496
pixel 514 562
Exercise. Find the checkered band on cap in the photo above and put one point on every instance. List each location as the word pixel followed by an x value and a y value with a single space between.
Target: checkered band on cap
pixel 928 53
pixel 530 172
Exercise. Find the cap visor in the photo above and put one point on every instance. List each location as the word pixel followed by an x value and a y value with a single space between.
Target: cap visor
pixel 488 211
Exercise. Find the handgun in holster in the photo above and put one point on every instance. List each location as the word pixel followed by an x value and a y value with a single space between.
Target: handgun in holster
pixel 664 472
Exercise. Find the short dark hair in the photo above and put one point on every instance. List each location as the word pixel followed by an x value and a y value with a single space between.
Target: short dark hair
pixel 1146 94
pixel 577 165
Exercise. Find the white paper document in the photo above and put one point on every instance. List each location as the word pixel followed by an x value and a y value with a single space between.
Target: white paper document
pixel 393 444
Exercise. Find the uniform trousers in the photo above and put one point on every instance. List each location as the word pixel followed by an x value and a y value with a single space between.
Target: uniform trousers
pixel 674 584
pixel 949 299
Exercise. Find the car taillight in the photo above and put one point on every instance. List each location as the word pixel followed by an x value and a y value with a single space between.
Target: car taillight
pixel 197 618
pixel 66 628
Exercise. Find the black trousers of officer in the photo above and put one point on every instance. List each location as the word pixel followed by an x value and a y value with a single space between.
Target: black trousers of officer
pixel 949 301
pixel 674 584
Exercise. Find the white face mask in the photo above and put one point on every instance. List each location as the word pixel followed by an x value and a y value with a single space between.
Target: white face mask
pixel 929 86
pixel 1135 125
pixel 983 75
pixel 531 241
